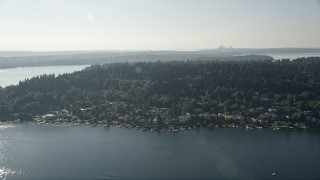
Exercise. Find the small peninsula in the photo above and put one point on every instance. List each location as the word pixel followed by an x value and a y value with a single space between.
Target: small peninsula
pixel 173 95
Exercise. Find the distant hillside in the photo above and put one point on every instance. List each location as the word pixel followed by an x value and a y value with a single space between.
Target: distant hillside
pixel 101 58
pixel 11 59
pixel 219 51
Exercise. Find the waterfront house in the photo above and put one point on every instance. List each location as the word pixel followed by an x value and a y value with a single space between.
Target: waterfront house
pixel 155 120
pixel 49 117
pixel 272 110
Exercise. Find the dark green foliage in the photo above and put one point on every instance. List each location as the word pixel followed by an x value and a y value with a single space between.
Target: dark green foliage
pixel 179 86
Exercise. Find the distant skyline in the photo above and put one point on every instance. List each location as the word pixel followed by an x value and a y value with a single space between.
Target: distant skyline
pixel 55 25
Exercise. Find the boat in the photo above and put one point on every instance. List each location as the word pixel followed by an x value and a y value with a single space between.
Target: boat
pixel 273 174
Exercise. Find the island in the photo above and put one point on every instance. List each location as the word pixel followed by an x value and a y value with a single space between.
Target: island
pixel 173 95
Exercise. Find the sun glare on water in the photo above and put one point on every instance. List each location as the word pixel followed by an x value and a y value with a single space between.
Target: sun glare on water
pixel 4 172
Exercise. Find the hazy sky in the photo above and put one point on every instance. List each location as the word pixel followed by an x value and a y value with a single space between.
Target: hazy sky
pixel 157 24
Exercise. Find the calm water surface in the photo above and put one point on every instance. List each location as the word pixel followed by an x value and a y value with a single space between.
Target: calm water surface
pixel 30 151
pixel 14 75
pixel 292 55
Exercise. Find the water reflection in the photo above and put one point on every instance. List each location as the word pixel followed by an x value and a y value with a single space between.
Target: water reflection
pixel 3 149
pixel 5 171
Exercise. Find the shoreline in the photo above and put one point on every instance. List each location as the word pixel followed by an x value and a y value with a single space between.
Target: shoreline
pixel 170 128
pixel 7 124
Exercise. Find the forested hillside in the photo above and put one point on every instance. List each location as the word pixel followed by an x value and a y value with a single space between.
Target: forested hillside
pixel 244 91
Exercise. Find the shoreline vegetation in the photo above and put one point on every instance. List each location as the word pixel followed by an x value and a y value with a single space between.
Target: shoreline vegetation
pixel 173 95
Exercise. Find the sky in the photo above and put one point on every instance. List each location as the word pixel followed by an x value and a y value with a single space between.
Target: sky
pixel 54 25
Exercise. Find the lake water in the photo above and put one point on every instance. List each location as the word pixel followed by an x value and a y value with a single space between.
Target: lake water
pixel 14 75
pixel 292 55
pixel 30 151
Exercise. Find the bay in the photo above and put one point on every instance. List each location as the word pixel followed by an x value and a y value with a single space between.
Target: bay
pixel 31 151
pixel 292 56
pixel 14 75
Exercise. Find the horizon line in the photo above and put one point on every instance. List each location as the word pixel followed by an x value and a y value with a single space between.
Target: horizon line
pixel 145 50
